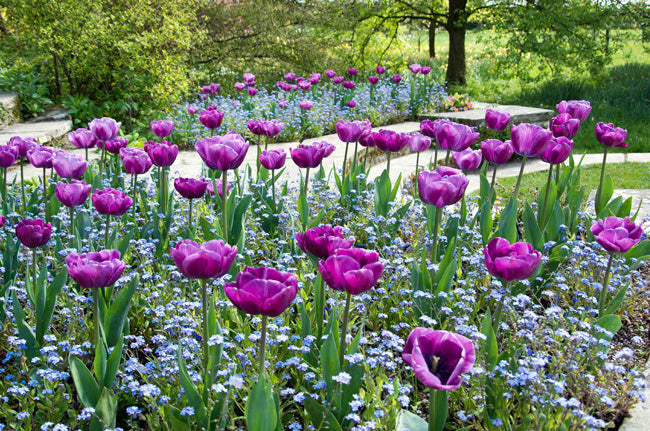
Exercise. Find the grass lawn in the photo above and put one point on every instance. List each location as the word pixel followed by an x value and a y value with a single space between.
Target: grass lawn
pixel 630 175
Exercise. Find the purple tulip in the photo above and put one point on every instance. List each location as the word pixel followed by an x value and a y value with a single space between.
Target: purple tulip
pixel 439 358
pixel 69 165
pixel 283 103
pixel 380 70
pixel 496 151
pixel 496 120
pixel 192 109
pixel 104 128
pixel 578 109
pixel 428 127
pixel 354 270
pixel 264 291
pixel 348 84
pixel 415 68
pixel 23 145
pixel 511 262
pixel 442 186
pixel 3 220
pixel 616 234
pixel 467 160
pixel 530 140
pixel 211 259
pixel 82 138
pixel 291 76
pixel 249 79
pixel 8 155
pixel 162 154
pixel 352 71
pixel 330 73
pixel 239 86
pixel 72 194
pixel 396 78
pixel 273 159
pixel 111 202
pixel 306 105
pixel 337 79
pixel 162 128
pixel 609 136
pixel 115 145
pixel 308 155
pixel 418 142
pixel 351 131
pixel 390 141
pixel 41 156
pixel 191 188
pixel 325 147
pixel 455 137
pixel 268 128
pixel 211 118
pixel 323 241
pixel 425 70
pixel 95 269
pixel 373 79
pixel 224 152
pixel 304 85
pixel 211 89
pixel 558 150
pixel 314 78
pixel 218 182
pixel 564 125
pixel 135 160
pixel 351 104
pixel 252 91
pixel 33 233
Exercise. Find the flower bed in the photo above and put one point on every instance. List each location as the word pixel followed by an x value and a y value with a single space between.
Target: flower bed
pixel 306 307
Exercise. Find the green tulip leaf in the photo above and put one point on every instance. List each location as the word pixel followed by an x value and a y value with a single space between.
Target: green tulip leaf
pixel 532 232
pixel 639 251
pixel 261 413
pixel 485 222
pixel 409 421
pixel 191 392
pixel 508 221
pixel 112 364
pixel 617 300
pixel 84 382
pixel 106 408
pixel 45 317
pixel 116 316
pixel 321 417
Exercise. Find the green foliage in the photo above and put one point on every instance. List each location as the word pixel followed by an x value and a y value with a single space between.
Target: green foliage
pixel 31 87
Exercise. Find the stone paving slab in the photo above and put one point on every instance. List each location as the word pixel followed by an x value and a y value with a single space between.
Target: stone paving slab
pixel 9 103
pixel 42 131
pixel 476 117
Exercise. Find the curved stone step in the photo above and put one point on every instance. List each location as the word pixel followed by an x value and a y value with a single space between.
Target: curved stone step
pixel 9 109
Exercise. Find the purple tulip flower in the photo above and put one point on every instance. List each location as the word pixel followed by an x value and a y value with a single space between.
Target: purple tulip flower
pixel 306 105
pixel 308 155
pixel 439 358
pixel 467 160
pixel 191 188
pixel 415 68
pixel 396 78
pixel 390 141
pixel 428 127
pixel 95 269
pixel 425 70
pixel 323 241
pixel 304 85
pixel 72 194
pixel 252 91
pixel 115 145
pixel 104 128
pixel 348 84
pixel 352 71
pixel 530 140
pixel 224 152
pixel 496 120
pixel 24 145
pixel 610 136
pixel 496 151
pixel 69 165
pixel 558 150
pixel 135 160
pixel 162 128
pixel 330 73
pixel 8 155
pixel 264 291
pixel 351 104
pixel 291 76
pixel 41 156
pixel 441 187
pixel 337 79
pixel 192 109
pixel 239 86
pixel 33 233
pixel 249 79
pixel 211 259
pixel 564 125
pixel 380 70
pixel 373 79
pixel 211 118
pixel 455 137
pixel 218 182
pixel 616 234
pixel 82 138
pixel 351 131
pixel 354 270
pixel 578 109
pixel 511 262
pixel 111 202
pixel 273 159
pixel 3 220
pixel 418 142
pixel 162 154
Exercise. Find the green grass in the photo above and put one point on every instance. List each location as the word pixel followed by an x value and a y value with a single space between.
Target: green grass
pixel 625 176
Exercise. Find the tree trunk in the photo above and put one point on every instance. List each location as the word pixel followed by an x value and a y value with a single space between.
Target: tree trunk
pixel 432 39
pixel 456 26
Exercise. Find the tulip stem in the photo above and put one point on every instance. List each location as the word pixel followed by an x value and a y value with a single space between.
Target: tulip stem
pixel 96 315
pixel 22 184
pixel 44 184
pixel 496 320
pixel 204 338
pixel 224 193
pixel 521 172
pixel 447 157
pixel 438 409
pixel 388 163
pixel 306 182
pixel 436 226
pixel 548 188
pixel 603 291
pixel 86 153
pixel 135 195
pixel 417 168
pixel 275 206
pixel 262 345
pixel 344 330
pixel 72 224
pixel 189 216
pixel 435 156
pixel 108 222
pixel 354 162
pixel 266 143
pixel 494 177
pixel 345 158
pixel 4 186
pixel 557 174
pixel 34 270
pixel 320 313
pixel 599 192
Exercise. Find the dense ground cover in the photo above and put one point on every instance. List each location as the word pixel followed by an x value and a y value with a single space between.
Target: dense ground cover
pixel 190 359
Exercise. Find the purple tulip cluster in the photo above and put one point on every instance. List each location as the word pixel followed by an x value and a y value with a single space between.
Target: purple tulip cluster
pixel 269 128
